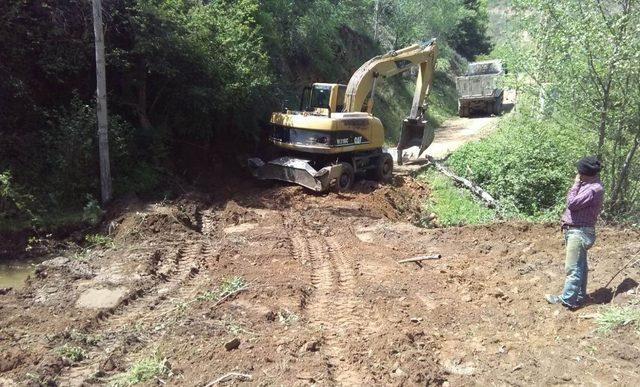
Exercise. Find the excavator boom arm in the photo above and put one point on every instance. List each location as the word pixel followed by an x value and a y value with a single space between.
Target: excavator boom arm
pixel 363 80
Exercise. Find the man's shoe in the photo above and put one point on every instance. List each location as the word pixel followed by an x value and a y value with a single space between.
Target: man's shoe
pixel 553 299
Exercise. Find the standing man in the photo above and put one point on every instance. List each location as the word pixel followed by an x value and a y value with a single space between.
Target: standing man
pixel 584 203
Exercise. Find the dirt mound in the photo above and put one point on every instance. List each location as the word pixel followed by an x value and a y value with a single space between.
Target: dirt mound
pixel 139 221
pixel 233 214
pixel 402 200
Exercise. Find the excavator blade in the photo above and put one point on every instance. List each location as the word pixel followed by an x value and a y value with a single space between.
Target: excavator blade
pixel 296 171
pixel 414 133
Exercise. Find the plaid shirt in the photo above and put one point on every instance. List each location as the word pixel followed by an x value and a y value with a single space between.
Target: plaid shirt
pixel 584 203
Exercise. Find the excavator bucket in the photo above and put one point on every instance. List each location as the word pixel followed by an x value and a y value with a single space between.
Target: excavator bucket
pixel 296 171
pixel 414 133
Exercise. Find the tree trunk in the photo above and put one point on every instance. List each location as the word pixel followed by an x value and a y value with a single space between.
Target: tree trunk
pixel 613 163
pixel 101 96
pixel 375 23
pixel 602 126
pixel 141 107
pixel 624 172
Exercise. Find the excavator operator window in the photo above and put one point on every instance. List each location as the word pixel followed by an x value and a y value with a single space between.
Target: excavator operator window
pixel 320 96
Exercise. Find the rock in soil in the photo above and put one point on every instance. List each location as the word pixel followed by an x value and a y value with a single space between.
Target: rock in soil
pixel 233 344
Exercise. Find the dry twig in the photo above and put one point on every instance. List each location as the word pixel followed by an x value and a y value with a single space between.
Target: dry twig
pixel 230 375
pixel 421 258
pixel 620 271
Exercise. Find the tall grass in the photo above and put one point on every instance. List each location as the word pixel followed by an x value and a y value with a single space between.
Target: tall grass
pixel 142 371
pixel 453 206
pixel 612 317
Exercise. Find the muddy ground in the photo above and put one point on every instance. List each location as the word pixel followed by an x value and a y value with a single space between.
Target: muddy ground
pixel 325 302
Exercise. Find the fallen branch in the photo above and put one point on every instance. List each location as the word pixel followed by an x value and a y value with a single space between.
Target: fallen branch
pixel 185 304
pixel 471 186
pixel 229 295
pixel 229 376
pixel 589 316
pixel 421 258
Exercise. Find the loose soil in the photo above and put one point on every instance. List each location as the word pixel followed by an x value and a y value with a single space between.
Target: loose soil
pixel 326 301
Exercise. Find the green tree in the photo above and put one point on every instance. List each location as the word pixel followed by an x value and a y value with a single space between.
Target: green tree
pixel 470 37
pixel 583 57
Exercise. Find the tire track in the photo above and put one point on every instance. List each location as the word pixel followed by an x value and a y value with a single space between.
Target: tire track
pixel 207 222
pixel 346 298
pixel 178 270
pixel 331 308
pixel 182 269
pixel 173 275
pixel 324 279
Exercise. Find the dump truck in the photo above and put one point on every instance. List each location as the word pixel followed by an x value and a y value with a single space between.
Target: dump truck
pixel 477 90
pixel 333 134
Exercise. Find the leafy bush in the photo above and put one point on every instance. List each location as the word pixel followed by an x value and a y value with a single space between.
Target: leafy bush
pixel 580 87
pixel 74 354
pixel 142 371
pixel 14 202
pixel 92 212
pixel 527 165
pixel 287 317
pixel 97 240
pixel 232 285
pixel 228 287
pixel 72 151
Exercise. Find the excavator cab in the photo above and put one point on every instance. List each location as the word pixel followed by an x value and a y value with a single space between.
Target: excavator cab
pixel 323 98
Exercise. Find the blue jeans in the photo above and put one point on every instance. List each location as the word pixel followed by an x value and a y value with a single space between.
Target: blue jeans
pixel 578 241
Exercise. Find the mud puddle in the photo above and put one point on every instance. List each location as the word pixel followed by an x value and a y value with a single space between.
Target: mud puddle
pixel 13 273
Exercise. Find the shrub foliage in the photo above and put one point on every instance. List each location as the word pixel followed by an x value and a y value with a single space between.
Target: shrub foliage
pixel 528 165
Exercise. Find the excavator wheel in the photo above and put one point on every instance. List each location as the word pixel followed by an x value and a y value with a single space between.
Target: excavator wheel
pixel 463 110
pixel 345 180
pixel 497 106
pixel 384 167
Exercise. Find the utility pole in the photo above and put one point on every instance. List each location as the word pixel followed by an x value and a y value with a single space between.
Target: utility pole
pixel 375 23
pixel 101 99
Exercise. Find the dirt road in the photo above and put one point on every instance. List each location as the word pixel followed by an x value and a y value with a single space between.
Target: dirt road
pixel 458 131
pixel 321 298
pixel 450 136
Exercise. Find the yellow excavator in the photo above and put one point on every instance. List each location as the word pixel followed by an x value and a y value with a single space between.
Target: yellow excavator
pixel 333 135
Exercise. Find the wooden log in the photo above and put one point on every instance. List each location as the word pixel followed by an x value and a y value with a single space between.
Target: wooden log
pixel 471 186
pixel 421 258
